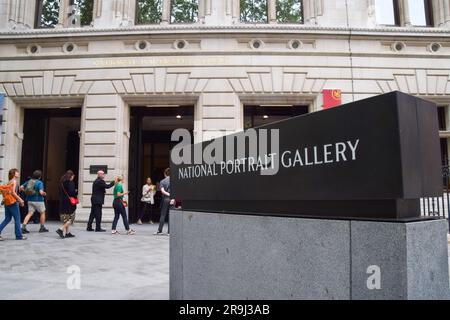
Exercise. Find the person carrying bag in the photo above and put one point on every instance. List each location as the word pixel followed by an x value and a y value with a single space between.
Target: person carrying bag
pixel 67 204
pixel 73 200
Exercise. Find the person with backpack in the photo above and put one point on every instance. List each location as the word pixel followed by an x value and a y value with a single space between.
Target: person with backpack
pixel 12 201
pixel 34 195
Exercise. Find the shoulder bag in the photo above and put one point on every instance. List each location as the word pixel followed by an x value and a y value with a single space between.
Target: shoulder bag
pixel 73 200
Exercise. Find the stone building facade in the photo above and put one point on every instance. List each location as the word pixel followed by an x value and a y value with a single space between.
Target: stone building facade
pixel 215 66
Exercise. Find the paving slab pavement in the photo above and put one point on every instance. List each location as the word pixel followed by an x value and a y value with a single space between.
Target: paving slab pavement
pixel 109 266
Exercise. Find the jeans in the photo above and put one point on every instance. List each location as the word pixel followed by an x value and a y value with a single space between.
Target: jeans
pixel 12 211
pixel 165 206
pixel 119 210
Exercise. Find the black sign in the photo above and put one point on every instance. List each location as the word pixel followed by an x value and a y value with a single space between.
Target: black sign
pixel 373 158
pixel 96 168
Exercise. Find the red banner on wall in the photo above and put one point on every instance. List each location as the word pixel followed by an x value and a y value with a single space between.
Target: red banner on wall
pixel 331 98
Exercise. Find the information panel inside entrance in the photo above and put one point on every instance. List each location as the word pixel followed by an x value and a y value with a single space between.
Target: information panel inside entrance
pixel 373 158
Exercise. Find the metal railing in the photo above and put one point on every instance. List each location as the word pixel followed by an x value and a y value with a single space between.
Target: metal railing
pixel 438 206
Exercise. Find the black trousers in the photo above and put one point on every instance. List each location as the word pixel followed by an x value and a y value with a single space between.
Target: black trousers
pixel 165 206
pixel 146 207
pixel 119 210
pixel 96 213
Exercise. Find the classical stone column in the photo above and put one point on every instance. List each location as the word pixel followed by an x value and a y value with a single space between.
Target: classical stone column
pixel 201 11
pixel 113 13
pixel 21 14
pixel 124 12
pixel 4 14
pixel 235 11
pixel 103 14
pixel 229 16
pixel 229 7
pixel 217 12
pixel 63 13
pixel 207 5
pixel 319 7
pixel 11 137
pixel 165 15
pixel 271 11
pixel 309 11
pixel 371 14
pixel 97 9
pixel 104 141
pixel 447 13
pixel 404 13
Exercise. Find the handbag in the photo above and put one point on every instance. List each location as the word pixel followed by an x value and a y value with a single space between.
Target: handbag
pixel 73 200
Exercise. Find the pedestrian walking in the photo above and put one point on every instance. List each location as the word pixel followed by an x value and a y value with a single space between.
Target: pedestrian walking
pixel 97 200
pixel 165 202
pixel 12 201
pixel 147 200
pixel 67 204
pixel 34 195
pixel 119 207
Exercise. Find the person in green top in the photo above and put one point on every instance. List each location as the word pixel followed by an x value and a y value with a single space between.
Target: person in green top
pixel 119 207
pixel 118 191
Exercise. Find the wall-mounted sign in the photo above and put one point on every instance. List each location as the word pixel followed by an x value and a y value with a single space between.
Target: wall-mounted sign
pixel 374 158
pixel 331 98
pixel 96 168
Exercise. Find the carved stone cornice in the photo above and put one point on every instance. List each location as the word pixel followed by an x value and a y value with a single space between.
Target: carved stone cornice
pixel 237 28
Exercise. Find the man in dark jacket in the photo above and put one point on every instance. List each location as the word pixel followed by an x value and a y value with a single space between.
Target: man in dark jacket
pixel 97 200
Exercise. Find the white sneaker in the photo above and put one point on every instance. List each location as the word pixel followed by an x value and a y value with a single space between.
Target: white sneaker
pixel 1 239
pixel 158 233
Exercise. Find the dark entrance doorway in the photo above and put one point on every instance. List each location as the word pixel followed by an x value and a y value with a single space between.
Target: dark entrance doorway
pixel 258 115
pixel 150 144
pixel 52 144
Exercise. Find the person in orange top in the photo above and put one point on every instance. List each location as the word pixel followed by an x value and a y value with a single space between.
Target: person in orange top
pixel 12 202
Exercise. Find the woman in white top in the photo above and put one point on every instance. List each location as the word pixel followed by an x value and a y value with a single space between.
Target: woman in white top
pixel 148 200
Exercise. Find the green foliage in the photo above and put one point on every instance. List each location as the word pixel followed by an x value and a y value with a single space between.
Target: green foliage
pixel 49 14
pixel 289 11
pixel 253 10
pixel 149 11
pixel 184 11
pixel 86 8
